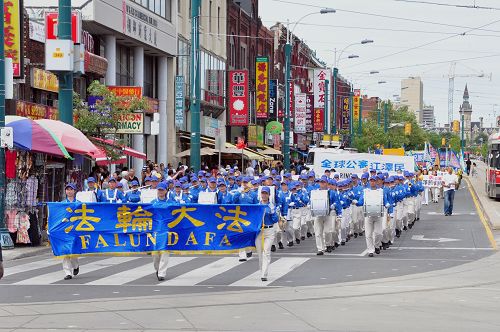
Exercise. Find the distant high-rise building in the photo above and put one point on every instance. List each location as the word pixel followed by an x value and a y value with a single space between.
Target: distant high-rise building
pixel 428 119
pixel 466 111
pixel 412 95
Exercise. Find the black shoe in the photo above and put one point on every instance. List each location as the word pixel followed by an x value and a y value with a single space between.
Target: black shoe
pixel 297 241
pixel 377 251
pixel 418 218
pixel 370 254
pixel 76 271
pixel 348 238
pixel 398 234
pixel 405 228
pixel 68 277
pixel 410 226
pixel 320 253
pixel 342 243
pixel 280 245
pixel 309 234
pixel 273 248
pixel 290 244
pixel 336 244
pixel 161 278
pixel 385 246
pixel 389 243
pixel 355 235
pixel 329 249
pixel 263 279
pixel 243 259
pixel 302 238
pixel 249 254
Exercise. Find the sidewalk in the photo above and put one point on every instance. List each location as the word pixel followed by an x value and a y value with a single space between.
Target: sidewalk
pixel 490 207
pixel 22 252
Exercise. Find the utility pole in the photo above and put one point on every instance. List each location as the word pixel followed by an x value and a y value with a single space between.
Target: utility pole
pixel 360 120
pixel 378 114
pixel 286 140
pixel 195 97
pixel 5 239
pixel 327 127
pixel 334 101
pixel 351 120
pixel 462 140
pixel 66 77
pixel 386 120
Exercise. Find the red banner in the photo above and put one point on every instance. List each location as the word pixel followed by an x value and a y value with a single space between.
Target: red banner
pixel 238 97
pixel 124 91
pixel 319 120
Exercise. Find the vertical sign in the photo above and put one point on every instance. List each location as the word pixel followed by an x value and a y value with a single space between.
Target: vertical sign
pixel 179 101
pixel 13 35
pixel 300 113
pixel 355 104
pixel 51 26
pixel 320 75
pixel 292 101
pixel 319 120
pixel 273 99
pixel 309 113
pixel 261 86
pixel 260 136
pixel 238 97
pixel 345 114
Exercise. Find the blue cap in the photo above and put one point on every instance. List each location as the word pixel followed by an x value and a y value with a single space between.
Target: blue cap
pixel 365 176
pixel 265 190
pixel 336 176
pixel 147 178
pixel 387 180
pixel 287 175
pixel 273 172
pixel 201 173
pixel 185 186
pixel 386 174
pixel 312 174
pixel 162 186
pixel 212 180
pixel 374 178
pixel 284 183
pixel 177 184
pixel 239 178
pixel 391 178
pixel 373 170
pixel 278 178
pixel 333 182
pixel 154 178
pixel 381 177
pixel 304 177
pixel 246 179
pixel 119 185
pixel 264 178
pixel 324 178
pixel 135 183
pixel 112 180
pixel 232 177
pixel 254 182
pixel 70 185
pixel 276 183
pixel 231 171
pixel 354 176
pixel 291 186
pixel 194 179
pixel 90 179
pixel 221 183
pixel 406 173
pixel 203 180
pixel 169 181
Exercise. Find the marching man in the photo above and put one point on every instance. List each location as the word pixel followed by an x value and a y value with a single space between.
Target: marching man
pixel 160 259
pixel 70 264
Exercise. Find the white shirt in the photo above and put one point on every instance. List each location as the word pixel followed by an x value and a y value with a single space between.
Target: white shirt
pixel 125 184
pixel 450 180
pixel 250 171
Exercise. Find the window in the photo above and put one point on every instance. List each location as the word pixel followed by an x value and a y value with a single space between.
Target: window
pixel 243 56
pixel 161 8
pixel 124 65
pixel 232 51
pixel 148 76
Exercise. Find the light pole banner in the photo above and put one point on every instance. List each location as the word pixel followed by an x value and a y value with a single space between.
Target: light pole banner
pixel 13 32
pixel 300 113
pixel 319 120
pixel 238 97
pixel 261 87
pixel 355 107
pixel 320 75
pixel 179 101
pixel 309 113
pixel 273 99
pixel 346 114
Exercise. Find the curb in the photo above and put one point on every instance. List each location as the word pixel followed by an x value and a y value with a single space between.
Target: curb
pixel 7 256
pixel 483 210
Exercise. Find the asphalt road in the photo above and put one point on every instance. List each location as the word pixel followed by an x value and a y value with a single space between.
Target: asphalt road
pixel 436 242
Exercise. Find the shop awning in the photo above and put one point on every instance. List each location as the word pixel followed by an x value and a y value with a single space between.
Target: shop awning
pixel 271 151
pixel 125 149
pixel 203 152
pixel 102 159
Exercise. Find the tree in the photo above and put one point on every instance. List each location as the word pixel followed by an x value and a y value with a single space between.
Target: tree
pixel 102 120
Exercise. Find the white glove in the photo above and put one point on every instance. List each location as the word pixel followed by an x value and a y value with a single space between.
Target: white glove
pixel 182 202
pixel 332 207
pixel 387 205
pixel 354 201
pixel 291 204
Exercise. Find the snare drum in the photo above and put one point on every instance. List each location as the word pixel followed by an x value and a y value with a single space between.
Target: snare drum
pixel 320 203
pixel 373 203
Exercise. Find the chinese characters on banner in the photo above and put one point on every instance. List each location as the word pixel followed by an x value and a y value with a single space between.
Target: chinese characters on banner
pixel 292 101
pixel 309 113
pixel 300 113
pixel 179 101
pixel 12 35
pixel 345 113
pixel 261 86
pixel 273 99
pixel 238 97
pixel 126 91
pixel 320 75
pixel 319 120
pixel 355 104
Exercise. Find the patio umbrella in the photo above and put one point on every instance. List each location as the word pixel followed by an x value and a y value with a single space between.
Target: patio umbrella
pixel 72 139
pixel 29 135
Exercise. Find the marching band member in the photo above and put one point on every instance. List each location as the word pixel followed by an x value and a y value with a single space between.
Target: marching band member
pixel 412 195
pixel 247 196
pixel 284 199
pixel 399 195
pixel 195 189
pixel 92 187
pixel 160 259
pixel 223 196
pixel 177 196
pixel 306 209
pixel 332 222
pixel 296 203
pixel 185 192
pixel 265 239
pixel 212 185
pixel 320 222
pixel 154 181
pixel 133 196
pixel 357 211
pixel 345 201
pixel 112 194
pixel 70 265
pixel 386 219
pixel 364 180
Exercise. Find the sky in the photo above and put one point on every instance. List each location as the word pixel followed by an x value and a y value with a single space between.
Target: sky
pixel 411 38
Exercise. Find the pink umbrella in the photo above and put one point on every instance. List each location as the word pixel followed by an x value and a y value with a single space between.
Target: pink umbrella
pixel 72 139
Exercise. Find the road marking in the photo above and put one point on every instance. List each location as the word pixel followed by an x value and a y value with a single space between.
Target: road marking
pixel 442 239
pixel 277 270
pixel 203 273
pixel 442 248
pixel 50 278
pixel 486 226
pixel 136 273
pixel 31 266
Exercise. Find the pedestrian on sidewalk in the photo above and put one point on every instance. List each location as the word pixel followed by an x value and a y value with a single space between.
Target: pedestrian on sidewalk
pixel 450 181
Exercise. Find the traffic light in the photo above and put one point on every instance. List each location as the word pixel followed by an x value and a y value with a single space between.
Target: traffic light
pixel 408 128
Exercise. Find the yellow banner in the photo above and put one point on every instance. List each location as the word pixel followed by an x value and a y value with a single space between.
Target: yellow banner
pixel 355 107
pixel 44 80
pixel 262 87
pixel 12 35
pixel 394 152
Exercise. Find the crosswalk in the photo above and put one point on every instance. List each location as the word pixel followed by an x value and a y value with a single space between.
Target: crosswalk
pixel 138 271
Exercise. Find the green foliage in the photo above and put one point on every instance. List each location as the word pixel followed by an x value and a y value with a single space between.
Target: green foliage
pixel 103 122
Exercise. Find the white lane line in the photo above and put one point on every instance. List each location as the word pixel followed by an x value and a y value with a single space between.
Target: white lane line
pixel 31 266
pixel 137 273
pixel 364 253
pixel 277 270
pixel 442 248
pixel 49 278
pixel 203 273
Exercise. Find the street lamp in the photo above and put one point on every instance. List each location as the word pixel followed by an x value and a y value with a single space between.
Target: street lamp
pixel 374 72
pixel 288 53
pixel 335 75
pixel 353 56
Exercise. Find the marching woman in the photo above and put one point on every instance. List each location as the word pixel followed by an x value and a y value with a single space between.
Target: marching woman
pixel 246 196
pixel 265 239
pixel 160 259
pixel 70 264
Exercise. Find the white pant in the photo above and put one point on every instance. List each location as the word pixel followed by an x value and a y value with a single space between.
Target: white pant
pixel 331 229
pixel 357 218
pixel 319 229
pixel 436 191
pixel 306 221
pixel 426 195
pixel 373 233
pixel 345 224
pixel 405 212
pixel 242 253
pixel 160 263
pixel 265 251
pixel 399 215
pixel 69 264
